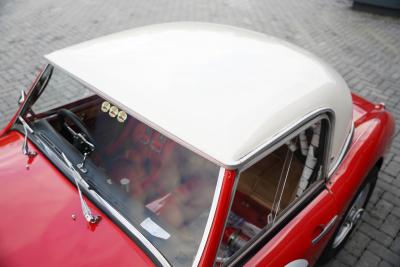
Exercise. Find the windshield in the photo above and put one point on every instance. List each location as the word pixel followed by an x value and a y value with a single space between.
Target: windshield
pixel 162 188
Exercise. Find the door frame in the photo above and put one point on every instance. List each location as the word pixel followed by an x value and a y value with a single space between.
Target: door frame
pixel 266 234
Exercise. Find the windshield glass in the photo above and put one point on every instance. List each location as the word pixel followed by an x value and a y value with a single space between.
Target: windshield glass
pixel 162 188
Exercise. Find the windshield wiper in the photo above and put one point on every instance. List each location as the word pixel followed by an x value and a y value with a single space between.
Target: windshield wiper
pixel 25 147
pixel 90 218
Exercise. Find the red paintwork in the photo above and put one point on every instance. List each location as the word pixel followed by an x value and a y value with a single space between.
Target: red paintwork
pixel 36 228
pixel 374 130
pixel 218 225
pixel 294 241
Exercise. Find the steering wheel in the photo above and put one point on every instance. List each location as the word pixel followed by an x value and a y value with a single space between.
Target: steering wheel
pixel 82 140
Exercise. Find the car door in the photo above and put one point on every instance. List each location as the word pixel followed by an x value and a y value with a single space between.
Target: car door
pixel 283 212
pixel 303 239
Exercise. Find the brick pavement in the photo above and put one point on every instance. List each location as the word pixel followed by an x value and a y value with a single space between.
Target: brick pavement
pixel 363 47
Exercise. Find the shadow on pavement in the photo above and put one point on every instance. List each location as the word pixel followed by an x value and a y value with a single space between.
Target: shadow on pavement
pixel 377 10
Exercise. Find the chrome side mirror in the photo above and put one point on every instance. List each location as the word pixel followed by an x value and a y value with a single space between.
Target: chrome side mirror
pixel 22 97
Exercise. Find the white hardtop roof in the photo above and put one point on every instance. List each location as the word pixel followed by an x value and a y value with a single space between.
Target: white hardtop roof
pixel 222 91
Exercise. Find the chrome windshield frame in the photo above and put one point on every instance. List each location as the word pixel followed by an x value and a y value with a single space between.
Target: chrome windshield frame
pixel 211 216
pixel 93 195
pixel 105 205
pixel 241 165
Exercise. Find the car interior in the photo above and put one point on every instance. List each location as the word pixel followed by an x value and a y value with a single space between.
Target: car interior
pixel 122 149
pixel 264 190
pixel 267 188
pixel 145 174
pixel 141 172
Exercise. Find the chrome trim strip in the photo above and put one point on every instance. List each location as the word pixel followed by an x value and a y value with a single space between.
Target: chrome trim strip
pixel 136 232
pixel 342 153
pixel 211 216
pixel 25 124
pixel 121 218
pixel 265 148
pixel 291 131
pixel 157 254
pixel 326 229
pixel 131 228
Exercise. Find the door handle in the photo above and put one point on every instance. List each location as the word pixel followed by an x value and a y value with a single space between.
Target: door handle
pixel 326 230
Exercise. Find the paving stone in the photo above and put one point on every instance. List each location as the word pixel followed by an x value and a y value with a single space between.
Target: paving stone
pixel 386 177
pixel 375 234
pixel 388 187
pixel 393 169
pixel 368 259
pixel 391 226
pixel 357 244
pixel 378 214
pixel 384 253
pixel 376 195
pixel 396 211
pixel 396 182
pixel 385 264
pixel 396 245
pixel 336 263
pixel 346 257
pixel 389 197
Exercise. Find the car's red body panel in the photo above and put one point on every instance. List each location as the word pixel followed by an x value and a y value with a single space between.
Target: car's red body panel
pixel 221 214
pixel 37 228
pixel 294 241
pixel 37 205
pixel 373 133
pixel 374 129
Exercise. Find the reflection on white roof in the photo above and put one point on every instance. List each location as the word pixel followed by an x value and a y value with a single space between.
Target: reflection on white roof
pixel 221 90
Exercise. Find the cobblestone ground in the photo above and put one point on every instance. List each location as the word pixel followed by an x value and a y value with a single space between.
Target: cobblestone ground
pixel 364 47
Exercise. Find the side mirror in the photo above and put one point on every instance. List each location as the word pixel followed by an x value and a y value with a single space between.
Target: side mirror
pixel 22 97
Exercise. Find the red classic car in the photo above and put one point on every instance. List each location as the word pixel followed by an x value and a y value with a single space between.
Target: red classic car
pixel 186 144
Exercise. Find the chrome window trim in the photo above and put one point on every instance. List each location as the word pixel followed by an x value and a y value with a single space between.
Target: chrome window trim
pixel 280 139
pixel 119 216
pixel 343 152
pixel 131 228
pixel 211 217
pixel 290 132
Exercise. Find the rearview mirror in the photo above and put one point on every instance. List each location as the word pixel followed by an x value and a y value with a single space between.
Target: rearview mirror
pixel 22 97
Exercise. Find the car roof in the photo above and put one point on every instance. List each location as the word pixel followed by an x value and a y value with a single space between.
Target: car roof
pixel 222 91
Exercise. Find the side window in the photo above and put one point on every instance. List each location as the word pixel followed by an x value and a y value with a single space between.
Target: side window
pixel 268 187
